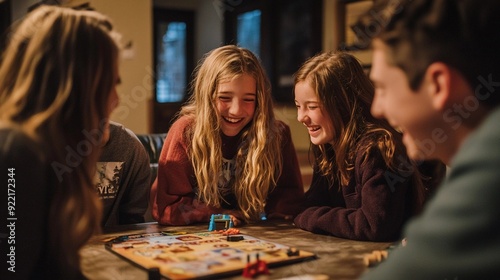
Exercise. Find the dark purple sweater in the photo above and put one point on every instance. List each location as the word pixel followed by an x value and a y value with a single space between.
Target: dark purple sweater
pixel 373 206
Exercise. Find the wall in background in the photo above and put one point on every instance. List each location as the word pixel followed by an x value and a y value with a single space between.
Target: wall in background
pixel 133 18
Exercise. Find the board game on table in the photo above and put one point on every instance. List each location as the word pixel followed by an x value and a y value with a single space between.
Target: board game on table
pixel 206 254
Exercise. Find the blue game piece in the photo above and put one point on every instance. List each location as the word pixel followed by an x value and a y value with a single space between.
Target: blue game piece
pixel 221 219
pixel 211 225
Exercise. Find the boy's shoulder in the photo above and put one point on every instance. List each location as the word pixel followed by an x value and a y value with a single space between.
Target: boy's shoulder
pixel 483 145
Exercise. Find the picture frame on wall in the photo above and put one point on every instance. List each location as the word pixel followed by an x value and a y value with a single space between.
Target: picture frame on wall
pixel 352 10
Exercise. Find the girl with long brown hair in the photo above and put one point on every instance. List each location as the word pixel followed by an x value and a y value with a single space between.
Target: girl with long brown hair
pixel 364 186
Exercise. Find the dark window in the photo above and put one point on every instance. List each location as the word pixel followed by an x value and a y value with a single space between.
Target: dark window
pixel 171 58
pixel 248 31
pixel 174 61
pixel 283 33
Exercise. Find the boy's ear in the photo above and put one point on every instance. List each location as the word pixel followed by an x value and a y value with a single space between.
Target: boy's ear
pixel 445 85
pixel 438 78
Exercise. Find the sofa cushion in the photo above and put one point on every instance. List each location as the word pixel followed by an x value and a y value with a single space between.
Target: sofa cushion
pixel 153 143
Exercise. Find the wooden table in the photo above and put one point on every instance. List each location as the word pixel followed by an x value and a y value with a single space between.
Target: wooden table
pixel 336 257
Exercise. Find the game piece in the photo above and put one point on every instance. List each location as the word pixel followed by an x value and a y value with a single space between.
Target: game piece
pixel 292 252
pixel 249 271
pixel 230 231
pixel 233 238
pixel 205 254
pixel 263 217
pixel 154 273
pixel 219 222
pixel 259 267
pixel 375 257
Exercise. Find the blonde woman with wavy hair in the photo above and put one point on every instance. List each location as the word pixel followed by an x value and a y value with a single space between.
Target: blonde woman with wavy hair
pixel 226 153
pixel 364 186
pixel 57 90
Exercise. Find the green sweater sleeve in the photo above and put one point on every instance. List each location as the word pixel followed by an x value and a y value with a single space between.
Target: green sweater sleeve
pixel 458 235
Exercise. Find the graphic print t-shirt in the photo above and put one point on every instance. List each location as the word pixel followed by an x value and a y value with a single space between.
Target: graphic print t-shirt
pixel 230 146
pixel 107 184
pixel 107 179
pixel 226 184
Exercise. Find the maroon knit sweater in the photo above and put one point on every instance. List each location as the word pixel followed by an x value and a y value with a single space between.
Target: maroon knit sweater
pixel 373 206
pixel 173 196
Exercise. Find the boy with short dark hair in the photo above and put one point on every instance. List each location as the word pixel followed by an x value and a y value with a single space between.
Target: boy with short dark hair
pixel 436 69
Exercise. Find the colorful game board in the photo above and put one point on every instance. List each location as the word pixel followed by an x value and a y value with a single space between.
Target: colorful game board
pixel 182 255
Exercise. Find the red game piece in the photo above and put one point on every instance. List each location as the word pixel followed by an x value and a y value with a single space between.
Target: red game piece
pixel 254 269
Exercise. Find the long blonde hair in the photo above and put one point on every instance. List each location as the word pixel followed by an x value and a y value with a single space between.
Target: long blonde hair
pixel 346 93
pixel 57 74
pixel 259 159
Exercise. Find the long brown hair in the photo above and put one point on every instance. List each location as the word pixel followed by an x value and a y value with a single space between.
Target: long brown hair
pixel 57 75
pixel 345 93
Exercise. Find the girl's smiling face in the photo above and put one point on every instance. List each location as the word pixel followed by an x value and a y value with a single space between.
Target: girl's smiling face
pixel 236 102
pixel 310 113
